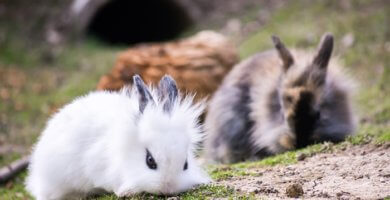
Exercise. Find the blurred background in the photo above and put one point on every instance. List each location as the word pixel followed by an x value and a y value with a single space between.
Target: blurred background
pixel 54 50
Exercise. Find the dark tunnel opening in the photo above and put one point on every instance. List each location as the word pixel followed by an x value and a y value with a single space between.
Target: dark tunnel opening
pixel 131 22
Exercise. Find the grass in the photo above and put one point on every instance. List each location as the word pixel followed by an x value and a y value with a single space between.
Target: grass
pixel 43 87
pixel 75 70
pixel 4 160
pixel 15 189
pixel 203 192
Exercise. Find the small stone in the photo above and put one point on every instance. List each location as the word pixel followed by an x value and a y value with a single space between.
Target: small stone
pixel 253 190
pixel 378 145
pixel 341 193
pixel 301 157
pixel 323 194
pixel 294 191
pixel 386 175
pixel 359 177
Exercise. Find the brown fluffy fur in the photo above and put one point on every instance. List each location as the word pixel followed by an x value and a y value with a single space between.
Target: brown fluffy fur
pixel 279 100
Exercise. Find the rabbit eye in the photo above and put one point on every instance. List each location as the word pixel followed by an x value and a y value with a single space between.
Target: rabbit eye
pixel 185 167
pixel 150 161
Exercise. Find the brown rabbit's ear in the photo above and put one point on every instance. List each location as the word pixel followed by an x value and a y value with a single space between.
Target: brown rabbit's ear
pixel 167 92
pixel 144 96
pixel 324 51
pixel 321 60
pixel 283 52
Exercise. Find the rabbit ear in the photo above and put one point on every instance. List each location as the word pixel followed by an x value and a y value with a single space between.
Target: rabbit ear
pixel 321 60
pixel 144 96
pixel 324 51
pixel 168 92
pixel 283 52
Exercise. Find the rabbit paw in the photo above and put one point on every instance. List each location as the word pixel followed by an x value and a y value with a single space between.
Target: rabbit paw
pixel 125 192
pixel 287 141
pixel 128 193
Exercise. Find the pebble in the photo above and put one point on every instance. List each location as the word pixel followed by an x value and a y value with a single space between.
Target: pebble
pixel 301 157
pixel 294 191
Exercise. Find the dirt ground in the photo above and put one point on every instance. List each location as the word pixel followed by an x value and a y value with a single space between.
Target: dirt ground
pixel 354 172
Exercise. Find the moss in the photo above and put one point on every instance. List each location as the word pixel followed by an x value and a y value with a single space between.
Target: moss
pixel 225 172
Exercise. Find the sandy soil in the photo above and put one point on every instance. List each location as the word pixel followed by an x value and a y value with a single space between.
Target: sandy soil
pixel 355 172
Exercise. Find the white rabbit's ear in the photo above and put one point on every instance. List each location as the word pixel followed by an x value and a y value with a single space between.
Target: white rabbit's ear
pixel 144 96
pixel 283 52
pixel 167 91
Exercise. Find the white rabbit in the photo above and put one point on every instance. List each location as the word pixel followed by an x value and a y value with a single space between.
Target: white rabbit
pixel 136 140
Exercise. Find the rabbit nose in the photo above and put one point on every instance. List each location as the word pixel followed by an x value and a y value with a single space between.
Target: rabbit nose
pixel 168 188
pixel 318 115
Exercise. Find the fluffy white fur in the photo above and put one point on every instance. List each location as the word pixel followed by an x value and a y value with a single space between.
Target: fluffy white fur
pixel 99 142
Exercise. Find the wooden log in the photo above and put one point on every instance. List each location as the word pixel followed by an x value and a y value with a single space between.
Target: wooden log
pixel 9 171
pixel 198 63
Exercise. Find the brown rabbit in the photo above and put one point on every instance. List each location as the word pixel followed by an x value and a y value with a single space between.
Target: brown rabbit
pixel 279 100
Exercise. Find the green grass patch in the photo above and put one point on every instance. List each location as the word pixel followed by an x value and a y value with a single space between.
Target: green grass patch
pixel 203 192
pixel 368 133
pixel 225 172
pixel 384 136
pixel 287 158
pixel 15 189
pixel 74 71
pixel 7 159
